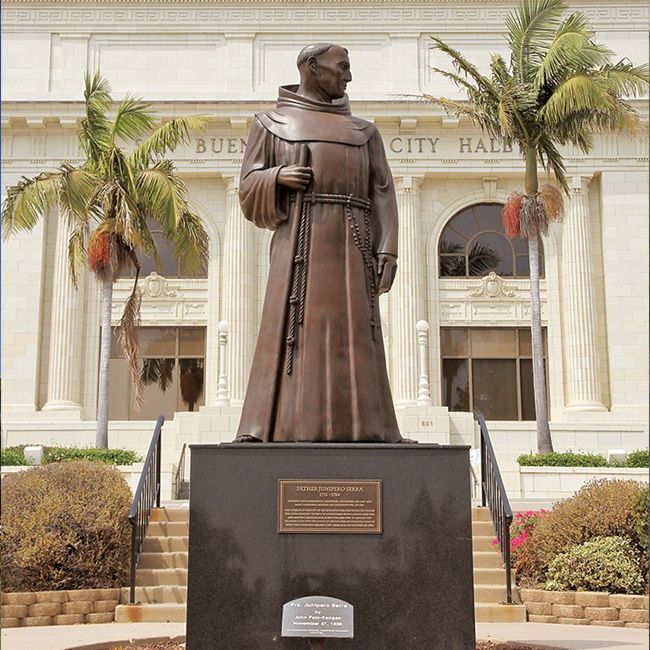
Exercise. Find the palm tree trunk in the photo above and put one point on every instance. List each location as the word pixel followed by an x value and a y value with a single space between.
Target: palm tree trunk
pixel 544 442
pixel 101 438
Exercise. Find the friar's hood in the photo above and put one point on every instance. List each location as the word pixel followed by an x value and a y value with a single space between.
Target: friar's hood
pixel 300 119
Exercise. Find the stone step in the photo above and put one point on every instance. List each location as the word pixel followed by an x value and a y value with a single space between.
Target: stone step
pixel 481 514
pixel 166 594
pixel 482 528
pixel 166 544
pixel 168 529
pixel 154 577
pixel 487 560
pixel 491 593
pixel 170 560
pixel 170 514
pixel 151 613
pixel 491 576
pixel 489 613
pixel 484 543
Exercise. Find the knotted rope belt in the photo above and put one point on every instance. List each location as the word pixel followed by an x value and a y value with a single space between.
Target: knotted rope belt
pixel 301 261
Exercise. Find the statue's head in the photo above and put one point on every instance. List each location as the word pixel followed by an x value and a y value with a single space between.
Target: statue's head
pixel 325 67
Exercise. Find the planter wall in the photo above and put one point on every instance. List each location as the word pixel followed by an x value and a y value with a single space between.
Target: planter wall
pixel 563 482
pixel 585 608
pixel 32 608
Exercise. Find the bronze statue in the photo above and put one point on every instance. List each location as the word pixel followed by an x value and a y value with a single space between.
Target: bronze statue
pixel 319 178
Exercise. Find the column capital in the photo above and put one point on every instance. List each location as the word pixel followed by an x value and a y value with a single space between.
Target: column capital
pixel 231 181
pixel 408 183
pixel 579 182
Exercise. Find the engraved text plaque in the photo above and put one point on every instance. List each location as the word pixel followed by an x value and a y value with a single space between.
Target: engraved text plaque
pixel 332 506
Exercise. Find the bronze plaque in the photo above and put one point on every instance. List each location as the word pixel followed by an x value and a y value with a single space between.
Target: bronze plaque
pixel 329 506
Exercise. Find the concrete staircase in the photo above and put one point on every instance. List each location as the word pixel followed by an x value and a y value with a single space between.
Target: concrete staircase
pixel 161 580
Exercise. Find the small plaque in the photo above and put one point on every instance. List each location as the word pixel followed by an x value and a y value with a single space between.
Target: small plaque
pixel 329 506
pixel 320 616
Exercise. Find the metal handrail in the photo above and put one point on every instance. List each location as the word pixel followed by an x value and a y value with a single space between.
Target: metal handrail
pixel 494 496
pixel 179 476
pixel 146 497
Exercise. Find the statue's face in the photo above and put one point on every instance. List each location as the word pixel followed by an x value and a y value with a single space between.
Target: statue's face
pixel 332 72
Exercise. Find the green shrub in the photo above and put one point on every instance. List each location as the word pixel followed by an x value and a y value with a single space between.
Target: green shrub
pixel 112 456
pixel 638 458
pixel 12 456
pixel 601 508
pixel 64 526
pixel 562 459
pixel 601 564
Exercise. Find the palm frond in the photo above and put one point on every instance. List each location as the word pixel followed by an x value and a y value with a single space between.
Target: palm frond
pixel 552 161
pixel 531 27
pixel 78 190
pixel 95 132
pixel 579 92
pixel 132 120
pixel 162 194
pixel 465 66
pixel 571 49
pixel 123 214
pixel 77 251
pixel 456 78
pixel 190 241
pixel 27 201
pixel 625 79
pixel 166 138
pixel 485 120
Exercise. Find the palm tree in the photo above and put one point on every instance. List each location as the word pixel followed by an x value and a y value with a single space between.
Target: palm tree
pixel 558 88
pixel 108 203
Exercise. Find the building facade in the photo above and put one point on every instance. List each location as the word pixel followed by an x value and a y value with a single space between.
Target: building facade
pixel 457 271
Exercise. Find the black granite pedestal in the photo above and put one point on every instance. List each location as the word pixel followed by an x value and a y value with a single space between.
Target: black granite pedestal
pixel 410 586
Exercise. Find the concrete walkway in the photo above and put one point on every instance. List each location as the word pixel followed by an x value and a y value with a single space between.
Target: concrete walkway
pixel 98 637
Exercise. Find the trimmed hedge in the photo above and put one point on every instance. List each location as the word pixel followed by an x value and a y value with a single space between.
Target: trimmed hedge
pixel 12 456
pixel 637 458
pixel 562 459
pixel 65 526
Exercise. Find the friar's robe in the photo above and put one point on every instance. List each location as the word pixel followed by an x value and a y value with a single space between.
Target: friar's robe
pixel 338 388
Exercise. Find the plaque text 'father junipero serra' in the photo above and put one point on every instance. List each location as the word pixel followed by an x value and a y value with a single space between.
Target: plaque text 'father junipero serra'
pixel 329 506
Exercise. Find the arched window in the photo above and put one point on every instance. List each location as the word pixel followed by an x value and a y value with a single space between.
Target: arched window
pixel 170 266
pixel 473 243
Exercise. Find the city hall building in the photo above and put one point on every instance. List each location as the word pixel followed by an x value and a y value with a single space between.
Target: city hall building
pixel 226 60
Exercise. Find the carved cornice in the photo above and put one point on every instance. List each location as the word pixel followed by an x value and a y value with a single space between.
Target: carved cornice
pixel 383 15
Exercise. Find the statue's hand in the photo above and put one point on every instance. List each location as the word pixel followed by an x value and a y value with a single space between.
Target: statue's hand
pixel 386 268
pixel 295 177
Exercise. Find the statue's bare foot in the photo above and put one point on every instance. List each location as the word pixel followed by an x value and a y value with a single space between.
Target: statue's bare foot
pixel 247 438
pixel 408 441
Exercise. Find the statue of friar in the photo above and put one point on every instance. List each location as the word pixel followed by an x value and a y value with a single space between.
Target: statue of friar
pixel 319 178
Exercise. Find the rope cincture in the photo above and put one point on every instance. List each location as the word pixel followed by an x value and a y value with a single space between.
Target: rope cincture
pixel 301 261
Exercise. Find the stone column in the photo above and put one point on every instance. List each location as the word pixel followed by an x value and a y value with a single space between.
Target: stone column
pixel 407 294
pixel 239 292
pixel 580 348
pixel 66 341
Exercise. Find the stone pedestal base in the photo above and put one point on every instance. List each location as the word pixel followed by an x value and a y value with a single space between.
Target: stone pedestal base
pixel 411 585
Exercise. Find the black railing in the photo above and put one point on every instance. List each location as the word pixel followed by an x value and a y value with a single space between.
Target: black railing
pixel 179 476
pixel 493 495
pixel 147 497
